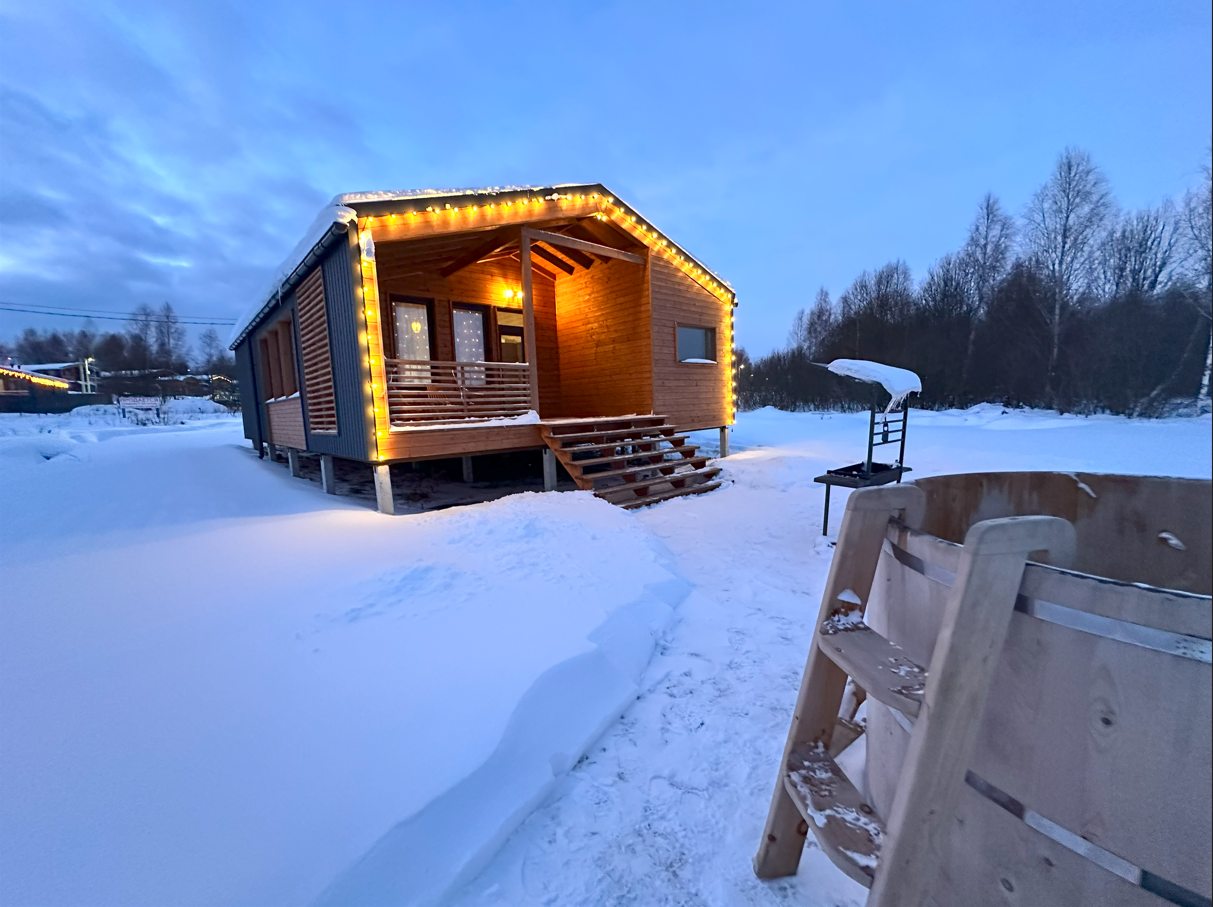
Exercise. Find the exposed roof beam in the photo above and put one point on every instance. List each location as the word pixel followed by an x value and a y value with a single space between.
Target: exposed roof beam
pixel 538 269
pixel 576 257
pixel 605 233
pixel 553 258
pixel 559 239
pixel 496 241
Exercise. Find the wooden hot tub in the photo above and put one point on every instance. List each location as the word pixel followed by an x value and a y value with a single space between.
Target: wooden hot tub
pixel 1091 779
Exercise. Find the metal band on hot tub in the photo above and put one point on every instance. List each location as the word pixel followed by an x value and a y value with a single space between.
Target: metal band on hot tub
pixel 1178 644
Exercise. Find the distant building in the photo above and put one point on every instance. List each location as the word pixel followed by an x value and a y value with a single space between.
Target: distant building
pixel 79 375
pixel 22 390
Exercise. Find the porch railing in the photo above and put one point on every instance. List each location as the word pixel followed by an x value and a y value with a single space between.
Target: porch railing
pixel 422 390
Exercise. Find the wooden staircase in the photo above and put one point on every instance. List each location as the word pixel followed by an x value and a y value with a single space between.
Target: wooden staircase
pixel 631 461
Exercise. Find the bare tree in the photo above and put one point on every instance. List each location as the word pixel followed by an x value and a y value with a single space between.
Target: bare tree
pixel 1137 255
pixel 211 352
pixel 169 338
pixel 985 259
pixel 142 330
pixel 1064 221
pixel 811 327
pixel 1198 240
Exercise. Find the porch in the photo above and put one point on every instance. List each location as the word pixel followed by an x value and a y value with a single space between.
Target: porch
pixel 500 331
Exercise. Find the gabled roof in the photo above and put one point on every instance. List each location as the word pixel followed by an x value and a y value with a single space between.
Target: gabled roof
pixel 373 207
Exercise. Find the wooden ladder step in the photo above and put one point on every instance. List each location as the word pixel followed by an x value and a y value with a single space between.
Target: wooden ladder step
pixel 698 462
pixel 666 495
pixel 847 828
pixel 877 665
pixel 685 479
pixel 686 450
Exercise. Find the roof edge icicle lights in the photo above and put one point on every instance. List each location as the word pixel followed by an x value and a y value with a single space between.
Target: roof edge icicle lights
pixel 608 207
pixel 33 378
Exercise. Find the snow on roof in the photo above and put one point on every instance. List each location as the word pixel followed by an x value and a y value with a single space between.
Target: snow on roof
pixel 330 215
pixel 397 195
pixel 338 212
pixel 899 382
pixel 48 365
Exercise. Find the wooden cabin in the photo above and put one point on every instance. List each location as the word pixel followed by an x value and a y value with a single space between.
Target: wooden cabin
pixel 452 323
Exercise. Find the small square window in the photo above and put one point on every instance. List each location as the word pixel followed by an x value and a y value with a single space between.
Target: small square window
pixel 696 344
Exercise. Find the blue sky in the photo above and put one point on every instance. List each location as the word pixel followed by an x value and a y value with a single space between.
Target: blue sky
pixel 176 151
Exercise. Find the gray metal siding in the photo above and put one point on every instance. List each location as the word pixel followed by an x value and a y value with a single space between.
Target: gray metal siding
pixel 250 404
pixel 350 377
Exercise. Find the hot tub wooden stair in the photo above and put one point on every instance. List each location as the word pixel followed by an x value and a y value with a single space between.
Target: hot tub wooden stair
pixel 631 461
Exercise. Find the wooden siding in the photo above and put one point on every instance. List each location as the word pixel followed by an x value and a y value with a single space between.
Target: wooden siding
pixel 410 269
pixel 693 395
pixel 602 319
pixel 432 443
pixel 286 423
pixel 319 396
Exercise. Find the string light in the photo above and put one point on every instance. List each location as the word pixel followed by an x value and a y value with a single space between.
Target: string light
pixel 40 380
pixel 375 387
pixel 607 209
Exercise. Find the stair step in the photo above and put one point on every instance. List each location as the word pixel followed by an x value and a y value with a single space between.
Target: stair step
pixel 847 828
pixel 630 441
pixel 877 665
pixel 666 495
pixel 698 462
pixel 556 429
pixel 626 492
pixel 686 450
pixel 642 431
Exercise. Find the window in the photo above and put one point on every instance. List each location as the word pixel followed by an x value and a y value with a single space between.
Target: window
pixel 277 346
pixel 510 328
pixel 696 344
pixel 468 324
pixel 412 322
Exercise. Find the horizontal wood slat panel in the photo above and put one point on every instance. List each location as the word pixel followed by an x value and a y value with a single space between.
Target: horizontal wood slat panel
pixel 317 358
pixel 423 390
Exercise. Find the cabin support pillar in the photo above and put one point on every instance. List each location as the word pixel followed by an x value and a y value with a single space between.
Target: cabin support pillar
pixel 468 474
pixel 292 462
pixel 328 477
pixel 549 470
pixel 528 318
pixel 385 502
pixel 724 440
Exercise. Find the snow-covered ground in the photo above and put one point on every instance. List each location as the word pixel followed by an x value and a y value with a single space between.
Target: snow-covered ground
pixel 218 685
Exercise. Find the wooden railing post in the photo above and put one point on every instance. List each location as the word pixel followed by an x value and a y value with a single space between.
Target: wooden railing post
pixel 528 316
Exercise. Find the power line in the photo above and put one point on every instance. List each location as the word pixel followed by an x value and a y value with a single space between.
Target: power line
pixel 66 312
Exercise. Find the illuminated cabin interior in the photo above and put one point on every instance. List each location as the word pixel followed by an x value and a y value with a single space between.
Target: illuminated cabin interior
pixel 421 325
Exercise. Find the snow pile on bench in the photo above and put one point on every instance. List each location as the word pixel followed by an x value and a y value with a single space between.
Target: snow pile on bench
pixel 899 382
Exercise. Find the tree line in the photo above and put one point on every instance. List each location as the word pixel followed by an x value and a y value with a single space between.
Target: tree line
pixel 1075 305
pixel 154 340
